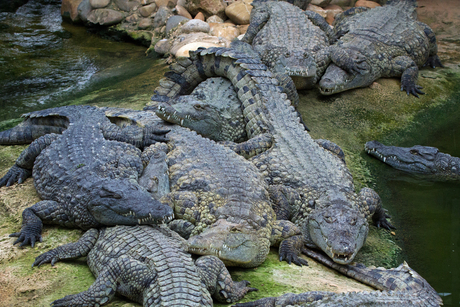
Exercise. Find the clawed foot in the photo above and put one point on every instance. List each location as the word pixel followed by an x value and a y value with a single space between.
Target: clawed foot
pixel 15 174
pixel 294 258
pixel 383 222
pixel 244 285
pixel 412 88
pixel 433 62
pixel 153 135
pixel 48 257
pixel 81 299
pixel 26 236
pixel 266 301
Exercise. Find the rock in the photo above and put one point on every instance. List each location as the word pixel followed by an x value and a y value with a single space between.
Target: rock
pixel 341 3
pixel 366 3
pixel 180 10
pixel 126 5
pixel 332 10
pixel 69 9
pixel 161 16
pixel 214 19
pixel 317 9
pixel 147 10
pixel 195 25
pixel 105 17
pixel 132 19
pixel 174 21
pixel 186 42
pixel 162 46
pixel 168 3
pixel 199 16
pixel 321 3
pixel 239 12
pixel 207 7
pixel 145 23
pixel 225 30
pixel 145 2
pixel 98 4
pixel 242 28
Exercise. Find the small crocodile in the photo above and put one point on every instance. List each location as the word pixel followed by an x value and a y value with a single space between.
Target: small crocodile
pixel 425 161
pixel 385 41
pixel 147 264
pixel 220 200
pixel 290 41
pixel 397 287
pixel 87 176
pixel 309 182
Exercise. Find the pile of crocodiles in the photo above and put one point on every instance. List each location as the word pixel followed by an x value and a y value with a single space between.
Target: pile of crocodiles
pixel 221 165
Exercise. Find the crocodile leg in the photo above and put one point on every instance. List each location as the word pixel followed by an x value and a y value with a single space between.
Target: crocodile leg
pixel 183 227
pixel 258 19
pixel 218 281
pixel 433 59
pixel 22 169
pixel 407 68
pixel 371 200
pixel 23 134
pixel 320 22
pixel 341 28
pixel 117 274
pixel 78 249
pixel 251 147
pixel 32 221
pixel 354 62
pixel 138 136
pixel 332 147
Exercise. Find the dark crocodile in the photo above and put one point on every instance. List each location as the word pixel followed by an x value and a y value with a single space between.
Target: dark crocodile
pixel 220 200
pixel 87 176
pixel 309 182
pixel 147 264
pixel 385 41
pixel 424 161
pixel 397 287
pixel 290 41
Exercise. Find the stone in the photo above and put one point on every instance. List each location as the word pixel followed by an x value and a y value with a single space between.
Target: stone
pixel 146 2
pixel 214 19
pixel 195 25
pixel 341 3
pixel 239 12
pixel 182 44
pixel 147 10
pixel 132 19
pixel 98 4
pixel 321 3
pixel 242 28
pixel 167 3
pixel 180 10
pixel 126 5
pixel 161 16
pixel 174 21
pixel 332 10
pixel 199 16
pixel 317 9
pixel 207 7
pixel 366 3
pixel 105 17
pixel 145 23
pixel 69 9
pixel 225 30
pixel 162 46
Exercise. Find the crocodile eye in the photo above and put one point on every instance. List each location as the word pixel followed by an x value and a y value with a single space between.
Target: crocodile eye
pixel 414 152
pixel 105 193
pixel 329 219
pixel 353 221
pixel 198 106
pixel 287 54
pixel 234 229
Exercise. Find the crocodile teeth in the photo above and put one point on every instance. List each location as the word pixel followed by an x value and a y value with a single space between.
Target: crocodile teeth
pixel 182 122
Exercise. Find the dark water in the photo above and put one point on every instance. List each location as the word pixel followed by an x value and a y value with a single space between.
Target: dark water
pixel 45 62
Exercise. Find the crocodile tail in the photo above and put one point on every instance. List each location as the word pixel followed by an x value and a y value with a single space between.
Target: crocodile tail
pixel 26 134
pixel 408 6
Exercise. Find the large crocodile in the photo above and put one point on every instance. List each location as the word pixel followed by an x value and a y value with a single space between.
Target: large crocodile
pixel 87 176
pixel 309 182
pixel 397 287
pixel 290 41
pixel 147 264
pixel 385 41
pixel 424 161
pixel 220 200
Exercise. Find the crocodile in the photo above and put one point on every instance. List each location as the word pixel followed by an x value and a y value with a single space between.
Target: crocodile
pixel 385 41
pixel 86 176
pixel 221 201
pixel 147 264
pixel 290 41
pixel 399 287
pixel 424 161
pixel 309 183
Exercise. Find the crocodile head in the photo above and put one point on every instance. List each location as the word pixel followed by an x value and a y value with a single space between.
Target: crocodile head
pixel 212 110
pixel 122 202
pixel 336 80
pixel 235 244
pixel 417 159
pixel 338 230
pixel 295 63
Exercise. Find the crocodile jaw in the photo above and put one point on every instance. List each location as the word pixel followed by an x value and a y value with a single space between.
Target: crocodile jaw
pixel 336 80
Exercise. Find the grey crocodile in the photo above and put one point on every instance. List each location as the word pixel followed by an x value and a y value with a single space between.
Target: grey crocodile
pixel 385 41
pixel 220 200
pixel 290 41
pixel 87 176
pixel 397 287
pixel 308 181
pixel 147 264
pixel 424 161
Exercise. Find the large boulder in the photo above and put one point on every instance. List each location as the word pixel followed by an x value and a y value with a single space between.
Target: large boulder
pixel 84 8
pixel 105 17
pixel 127 5
pixel 174 21
pixel 99 4
pixel 239 12
pixel 195 25
pixel 69 10
pixel 161 16
pixel 147 10
pixel 207 7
